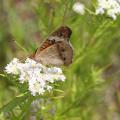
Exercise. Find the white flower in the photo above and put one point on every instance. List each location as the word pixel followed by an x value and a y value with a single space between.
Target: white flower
pixel 54 70
pixel 100 11
pixel 79 8
pixel 28 69
pixel 11 68
pixel 61 77
pixel 49 87
pixel 109 7
pixel 36 87
pixel 33 64
pixel 36 75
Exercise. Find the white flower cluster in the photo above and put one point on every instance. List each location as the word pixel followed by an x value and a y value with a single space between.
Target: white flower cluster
pixel 35 74
pixel 109 7
pixel 79 8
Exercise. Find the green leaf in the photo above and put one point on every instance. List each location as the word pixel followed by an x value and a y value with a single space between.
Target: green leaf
pixel 18 44
pixel 58 90
pixel 2 75
pixel 14 102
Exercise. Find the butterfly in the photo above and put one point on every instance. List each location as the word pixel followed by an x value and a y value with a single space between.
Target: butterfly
pixel 56 50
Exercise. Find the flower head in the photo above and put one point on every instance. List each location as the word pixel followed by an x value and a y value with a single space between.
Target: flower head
pixel 79 8
pixel 35 74
pixel 109 7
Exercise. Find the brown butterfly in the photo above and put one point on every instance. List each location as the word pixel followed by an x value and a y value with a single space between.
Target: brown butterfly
pixel 56 50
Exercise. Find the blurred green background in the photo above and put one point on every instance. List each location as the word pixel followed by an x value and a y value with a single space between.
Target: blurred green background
pixel 92 87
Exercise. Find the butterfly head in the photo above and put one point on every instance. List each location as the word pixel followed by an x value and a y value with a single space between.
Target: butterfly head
pixel 63 32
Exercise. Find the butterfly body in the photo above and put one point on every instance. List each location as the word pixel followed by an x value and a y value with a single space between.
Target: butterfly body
pixel 56 50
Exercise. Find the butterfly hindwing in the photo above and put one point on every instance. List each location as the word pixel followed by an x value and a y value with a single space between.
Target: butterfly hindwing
pixel 66 52
pixel 49 56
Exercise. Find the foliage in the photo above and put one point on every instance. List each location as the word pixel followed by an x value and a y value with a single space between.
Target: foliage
pixel 95 40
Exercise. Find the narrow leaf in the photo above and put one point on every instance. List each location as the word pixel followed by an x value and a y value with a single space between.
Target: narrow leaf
pixel 13 103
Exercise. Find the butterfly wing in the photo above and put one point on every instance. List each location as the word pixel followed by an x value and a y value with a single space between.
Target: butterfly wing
pixel 66 52
pixel 49 56
pixel 43 46
pixel 46 44
pixel 56 50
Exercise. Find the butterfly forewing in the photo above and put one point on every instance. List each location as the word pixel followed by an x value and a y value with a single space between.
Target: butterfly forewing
pixel 46 44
